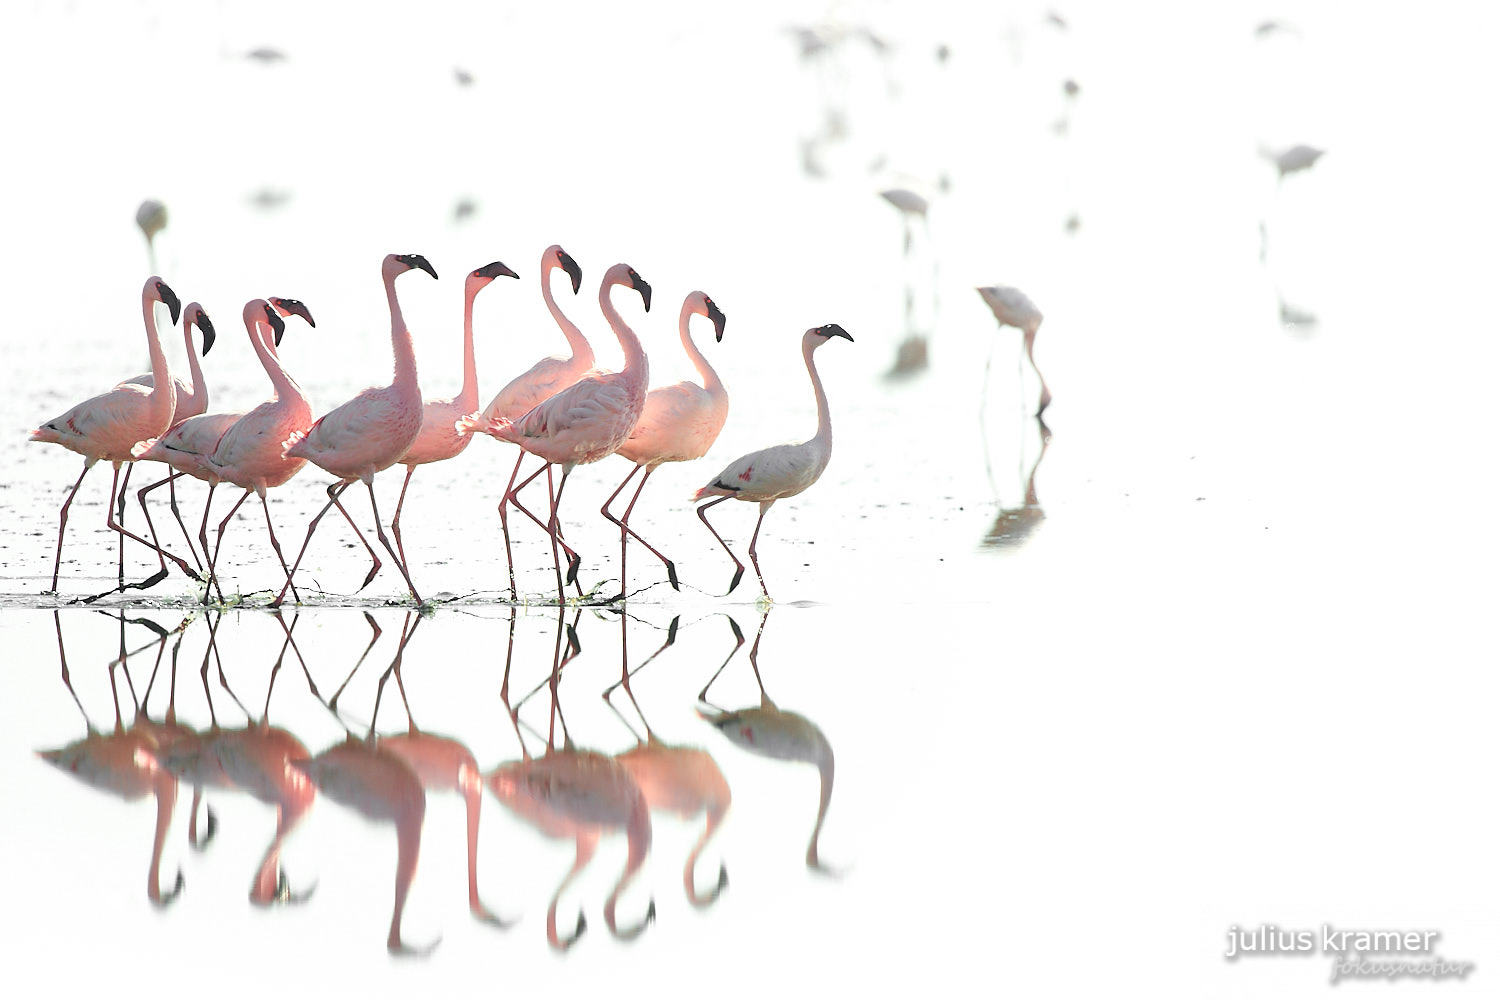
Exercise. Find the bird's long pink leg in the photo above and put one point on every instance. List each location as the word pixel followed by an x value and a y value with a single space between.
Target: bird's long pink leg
pixel 513 496
pixel 505 501
pixel 119 499
pixel 765 505
pixel 170 483
pixel 396 521
pixel 1046 396
pixel 374 559
pixel 625 524
pixel 624 540
pixel 213 563
pixel 276 545
pixel 203 525
pixel 739 567
pixel 313 526
pixel 552 535
pixel 380 533
pixel 160 552
pixel 88 464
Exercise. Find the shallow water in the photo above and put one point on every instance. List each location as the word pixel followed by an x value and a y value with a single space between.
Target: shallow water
pixel 1223 670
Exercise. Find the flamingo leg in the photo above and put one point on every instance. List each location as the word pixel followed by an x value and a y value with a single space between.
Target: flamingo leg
pixel 170 483
pixel 118 498
pixel 625 524
pixel 161 553
pixel 213 563
pixel 334 489
pixel 396 521
pixel 374 637
pixel 203 525
pixel 513 496
pixel 380 533
pixel 88 464
pixel 765 505
pixel 375 560
pixel 510 563
pixel 739 567
pixel 552 536
pixel 586 845
pixel 1046 397
pixel 276 545
pixel 619 523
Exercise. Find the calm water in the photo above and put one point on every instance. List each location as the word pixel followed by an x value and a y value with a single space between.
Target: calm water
pixel 1226 667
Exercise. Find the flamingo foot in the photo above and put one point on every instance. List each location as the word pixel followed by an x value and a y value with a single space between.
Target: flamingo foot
pixel 484 916
pixel 166 900
pixel 210 829
pixel 738 573
pixel 672 574
pixel 574 561
pixel 396 947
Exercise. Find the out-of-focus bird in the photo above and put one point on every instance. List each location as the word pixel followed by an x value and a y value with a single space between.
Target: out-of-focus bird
pixel 778 472
pixel 151 216
pixel 1292 159
pixel 678 424
pixel 1012 308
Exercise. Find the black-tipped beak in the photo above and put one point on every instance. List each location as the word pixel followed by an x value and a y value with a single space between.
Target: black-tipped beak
pixel 834 330
pixel 639 284
pixel 278 327
pixel 417 260
pixel 207 329
pixel 293 307
pixel 495 270
pixel 170 298
pixel 717 316
pixel 575 273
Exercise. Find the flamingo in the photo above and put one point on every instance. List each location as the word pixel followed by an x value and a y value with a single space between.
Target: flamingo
pixel 768 731
pixel 108 425
pixel 1012 308
pixel 911 354
pixel 191 400
pixel 588 420
pixel 372 431
pixel 1292 159
pixel 380 786
pixel 535 385
pixel 1014 526
pixel 778 472
pixel 151 217
pixel 682 780
pixel 440 438
pixel 678 424
pixel 124 763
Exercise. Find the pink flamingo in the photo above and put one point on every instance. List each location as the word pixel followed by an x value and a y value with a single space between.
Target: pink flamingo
pixel 379 785
pixel 250 453
pixel 539 382
pixel 108 425
pixel 678 424
pixel 1012 308
pixel 124 763
pixel 372 431
pixel 778 472
pixel 682 780
pixel 440 438
pixel 588 420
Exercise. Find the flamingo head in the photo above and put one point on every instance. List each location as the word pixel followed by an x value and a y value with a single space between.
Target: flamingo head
pixel 716 315
pixel 158 290
pixel 274 321
pixel 292 307
pixel 398 263
pixel 556 256
pixel 638 283
pixel 482 276
pixel 195 316
pixel 831 330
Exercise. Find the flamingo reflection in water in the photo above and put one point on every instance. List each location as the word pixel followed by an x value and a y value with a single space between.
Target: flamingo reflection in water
pixel 682 780
pixel 1014 526
pixel 123 763
pixel 440 763
pixel 579 794
pixel 767 731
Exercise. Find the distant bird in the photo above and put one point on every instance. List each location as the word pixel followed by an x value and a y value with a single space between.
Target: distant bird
pixel 590 419
pixel 678 423
pixel 249 453
pixel 380 786
pixel 778 472
pixel 464 209
pixel 439 438
pixel 372 431
pixel 911 354
pixel 463 77
pixel 151 216
pixel 107 426
pixel 266 55
pixel 1012 308
pixel 1292 159
pixel 535 385
pixel 1267 29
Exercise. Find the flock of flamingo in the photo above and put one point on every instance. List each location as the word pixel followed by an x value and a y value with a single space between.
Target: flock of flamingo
pixel 566 792
pixel 564 410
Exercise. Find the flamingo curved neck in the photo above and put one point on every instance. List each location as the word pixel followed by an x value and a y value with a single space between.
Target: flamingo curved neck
pixel 710 377
pixel 824 437
pixel 281 382
pixel 163 394
pixel 824 760
pixel 583 354
pixel 468 396
pixel 200 387
pixel 635 357
pixel 639 840
pixel 401 346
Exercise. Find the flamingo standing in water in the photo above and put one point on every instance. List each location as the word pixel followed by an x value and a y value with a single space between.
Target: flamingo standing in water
pixel 191 400
pixel 440 438
pixel 535 385
pixel 778 472
pixel 107 426
pixel 588 420
pixel 372 431
pixel 678 424
pixel 1012 308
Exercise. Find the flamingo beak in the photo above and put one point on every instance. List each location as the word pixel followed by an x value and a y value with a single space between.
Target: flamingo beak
pixel 834 330
pixel 415 260
pixel 278 326
pixel 293 307
pixel 717 315
pixel 207 329
pixel 639 284
pixel 495 270
pixel 169 298
pixel 575 273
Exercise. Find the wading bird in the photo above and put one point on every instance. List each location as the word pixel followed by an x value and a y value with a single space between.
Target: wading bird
pixel 778 472
pixel 1012 308
pixel 535 385
pixel 678 423
pixel 372 431
pixel 440 438
pixel 107 426
pixel 590 419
